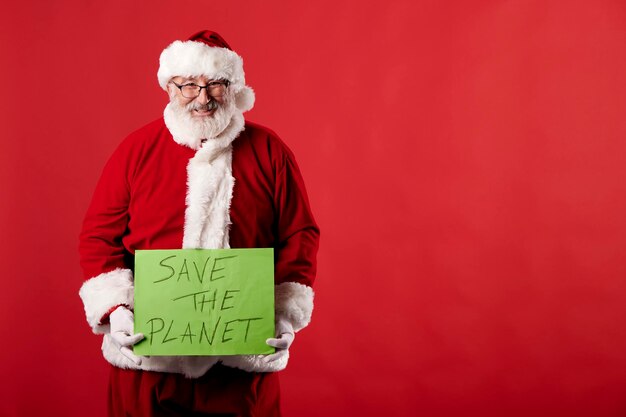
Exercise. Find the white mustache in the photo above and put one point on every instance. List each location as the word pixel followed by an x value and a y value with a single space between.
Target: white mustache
pixel 210 106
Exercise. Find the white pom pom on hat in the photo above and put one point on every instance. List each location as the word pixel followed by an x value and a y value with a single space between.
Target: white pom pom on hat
pixel 207 54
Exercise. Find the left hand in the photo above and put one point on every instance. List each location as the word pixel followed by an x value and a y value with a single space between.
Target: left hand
pixel 284 338
pixel 123 334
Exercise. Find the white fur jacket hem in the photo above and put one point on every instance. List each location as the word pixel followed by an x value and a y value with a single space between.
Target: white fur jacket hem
pixel 293 302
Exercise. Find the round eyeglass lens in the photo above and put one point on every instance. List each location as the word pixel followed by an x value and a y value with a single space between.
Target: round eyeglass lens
pixel 190 91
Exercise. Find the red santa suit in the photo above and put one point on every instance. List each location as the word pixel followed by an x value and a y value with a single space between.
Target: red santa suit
pixel 241 189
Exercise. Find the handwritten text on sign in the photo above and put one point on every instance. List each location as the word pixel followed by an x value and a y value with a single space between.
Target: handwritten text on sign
pixel 204 301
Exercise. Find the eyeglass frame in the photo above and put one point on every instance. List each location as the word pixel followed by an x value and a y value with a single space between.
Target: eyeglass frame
pixel 213 83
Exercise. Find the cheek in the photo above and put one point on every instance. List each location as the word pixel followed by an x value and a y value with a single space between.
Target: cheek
pixel 181 101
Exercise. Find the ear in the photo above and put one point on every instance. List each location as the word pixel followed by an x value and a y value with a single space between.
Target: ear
pixel 171 90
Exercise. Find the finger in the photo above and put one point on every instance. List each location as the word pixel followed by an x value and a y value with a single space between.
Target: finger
pixel 283 341
pixel 131 340
pixel 135 338
pixel 130 355
pixel 278 343
pixel 275 356
pixel 289 337
pixel 124 339
pixel 119 337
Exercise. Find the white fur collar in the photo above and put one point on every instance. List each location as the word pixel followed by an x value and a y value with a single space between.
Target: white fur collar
pixel 210 185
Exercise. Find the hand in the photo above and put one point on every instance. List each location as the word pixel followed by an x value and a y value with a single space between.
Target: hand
pixel 282 342
pixel 122 332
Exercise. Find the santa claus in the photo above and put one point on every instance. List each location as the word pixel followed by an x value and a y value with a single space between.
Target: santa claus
pixel 199 177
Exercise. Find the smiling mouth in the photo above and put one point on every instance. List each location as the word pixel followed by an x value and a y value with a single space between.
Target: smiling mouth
pixel 203 111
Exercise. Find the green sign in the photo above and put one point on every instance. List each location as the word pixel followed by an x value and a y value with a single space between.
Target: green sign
pixel 204 301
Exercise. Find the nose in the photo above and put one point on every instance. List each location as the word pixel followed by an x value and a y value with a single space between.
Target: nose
pixel 203 97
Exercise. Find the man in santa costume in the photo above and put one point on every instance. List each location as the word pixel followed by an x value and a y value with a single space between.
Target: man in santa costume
pixel 199 177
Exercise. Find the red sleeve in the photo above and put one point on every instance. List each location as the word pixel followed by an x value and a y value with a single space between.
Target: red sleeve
pixel 109 281
pixel 101 249
pixel 298 234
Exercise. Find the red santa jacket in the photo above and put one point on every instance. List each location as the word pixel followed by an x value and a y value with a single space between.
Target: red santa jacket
pixel 146 199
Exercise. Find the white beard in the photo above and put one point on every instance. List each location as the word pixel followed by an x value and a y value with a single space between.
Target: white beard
pixel 190 130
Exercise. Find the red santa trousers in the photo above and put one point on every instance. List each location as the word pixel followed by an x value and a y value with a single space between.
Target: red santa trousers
pixel 222 391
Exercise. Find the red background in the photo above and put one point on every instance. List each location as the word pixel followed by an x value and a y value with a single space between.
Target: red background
pixel 465 161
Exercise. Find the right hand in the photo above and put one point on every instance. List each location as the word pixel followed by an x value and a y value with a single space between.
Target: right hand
pixel 122 332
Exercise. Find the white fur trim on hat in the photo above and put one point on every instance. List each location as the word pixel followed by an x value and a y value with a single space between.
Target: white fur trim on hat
pixel 244 99
pixel 194 59
pixel 102 292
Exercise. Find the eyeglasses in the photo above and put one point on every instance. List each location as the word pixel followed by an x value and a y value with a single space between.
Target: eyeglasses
pixel 213 88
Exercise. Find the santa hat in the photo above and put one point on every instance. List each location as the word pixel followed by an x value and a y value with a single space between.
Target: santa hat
pixel 206 53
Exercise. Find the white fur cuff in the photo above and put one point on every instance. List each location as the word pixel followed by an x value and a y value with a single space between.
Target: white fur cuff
pixel 101 293
pixel 294 302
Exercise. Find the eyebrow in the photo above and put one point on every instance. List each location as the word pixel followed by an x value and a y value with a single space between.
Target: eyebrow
pixel 187 81
pixel 197 82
